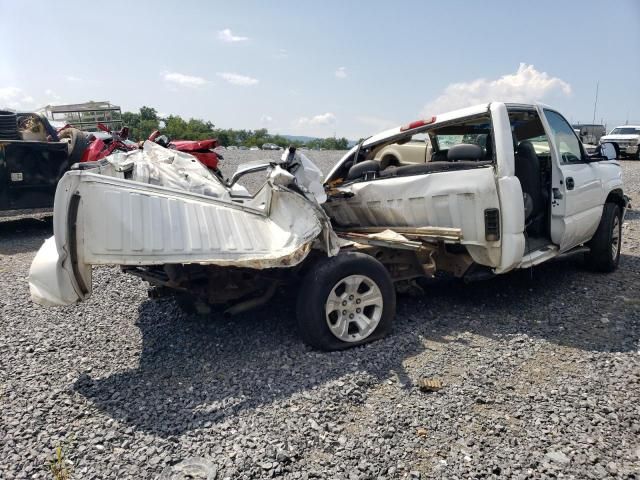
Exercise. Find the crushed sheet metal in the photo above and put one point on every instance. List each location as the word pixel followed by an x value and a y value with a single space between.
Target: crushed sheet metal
pixel 386 238
pixel 126 224
pixel 430 233
pixel 156 165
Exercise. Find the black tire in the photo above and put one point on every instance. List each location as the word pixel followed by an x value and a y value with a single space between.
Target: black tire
pixel 323 280
pixel 603 257
pixel 78 143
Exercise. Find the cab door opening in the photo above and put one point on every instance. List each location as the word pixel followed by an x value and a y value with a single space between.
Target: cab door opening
pixel 532 157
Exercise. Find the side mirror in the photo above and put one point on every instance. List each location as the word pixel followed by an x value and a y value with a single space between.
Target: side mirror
pixel 246 168
pixel 608 151
pixel 604 151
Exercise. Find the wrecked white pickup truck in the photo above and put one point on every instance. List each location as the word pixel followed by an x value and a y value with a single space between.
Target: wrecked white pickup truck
pixel 501 187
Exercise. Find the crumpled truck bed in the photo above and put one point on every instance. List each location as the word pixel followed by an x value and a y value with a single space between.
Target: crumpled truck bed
pixel 100 219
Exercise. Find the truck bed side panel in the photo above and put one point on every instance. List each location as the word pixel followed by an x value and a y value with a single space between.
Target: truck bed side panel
pixel 455 199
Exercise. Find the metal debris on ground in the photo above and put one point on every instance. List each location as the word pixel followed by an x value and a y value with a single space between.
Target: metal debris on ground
pixel 429 384
pixel 191 468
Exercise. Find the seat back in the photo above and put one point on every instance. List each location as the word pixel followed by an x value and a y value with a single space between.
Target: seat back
pixel 488 149
pixel 527 170
pixel 366 169
pixel 465 151
pixel 439 156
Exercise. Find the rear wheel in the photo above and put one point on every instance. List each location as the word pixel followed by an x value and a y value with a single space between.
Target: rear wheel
pixel 78 143
pixel 606 242
pixel 346 300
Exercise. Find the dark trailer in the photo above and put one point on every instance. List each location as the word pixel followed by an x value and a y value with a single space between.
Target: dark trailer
pixel 32 160
pixel 29 173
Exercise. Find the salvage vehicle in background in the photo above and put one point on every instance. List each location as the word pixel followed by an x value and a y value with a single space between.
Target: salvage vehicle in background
pixel 32 160
pixel 505 187
pixel 589 134
pixel 415 149
pixel 34 155
pixel 627 140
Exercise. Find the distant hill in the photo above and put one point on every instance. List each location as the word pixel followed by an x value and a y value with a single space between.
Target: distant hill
pixel 304 139
pixel 299 138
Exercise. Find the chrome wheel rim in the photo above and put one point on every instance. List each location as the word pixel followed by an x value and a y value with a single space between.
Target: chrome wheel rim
pixel 615 238
pixel 354 308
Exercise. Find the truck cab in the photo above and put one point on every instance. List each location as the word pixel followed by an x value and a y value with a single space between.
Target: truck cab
pixel 513 179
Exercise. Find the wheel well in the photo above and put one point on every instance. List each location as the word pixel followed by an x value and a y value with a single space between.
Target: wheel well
pixel 616 196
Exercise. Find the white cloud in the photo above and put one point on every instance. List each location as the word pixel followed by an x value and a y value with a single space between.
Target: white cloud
pixel 282 53
pixel 322 119
pixel 228 37
pixel 341 72
pixel 183 80
pixel 72 78
pixel 525 85
pixel 237 79
pixel 8 94
pixel 51 96
pixel 266 119
pixel 16 99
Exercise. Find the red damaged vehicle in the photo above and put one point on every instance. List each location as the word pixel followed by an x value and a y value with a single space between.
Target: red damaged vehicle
pixel 97 145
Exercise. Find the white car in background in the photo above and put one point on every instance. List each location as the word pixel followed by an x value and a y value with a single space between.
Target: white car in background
pixel 627 138
pixel 415 149
pixel 271 146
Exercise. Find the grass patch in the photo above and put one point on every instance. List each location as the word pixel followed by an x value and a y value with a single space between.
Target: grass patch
pixel 59 466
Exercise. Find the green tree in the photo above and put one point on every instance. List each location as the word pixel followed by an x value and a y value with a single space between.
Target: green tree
pixel 144 122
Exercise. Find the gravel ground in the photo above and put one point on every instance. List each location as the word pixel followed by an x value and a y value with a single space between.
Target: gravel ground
pixel 541 374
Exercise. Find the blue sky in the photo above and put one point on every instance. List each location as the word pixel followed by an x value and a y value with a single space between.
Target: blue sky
pixel 319 68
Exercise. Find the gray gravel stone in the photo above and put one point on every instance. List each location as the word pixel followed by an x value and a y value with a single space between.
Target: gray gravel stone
pixel 558 457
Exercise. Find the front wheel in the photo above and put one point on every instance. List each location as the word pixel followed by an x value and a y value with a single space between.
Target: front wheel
pixel 346 300
pixel 606 242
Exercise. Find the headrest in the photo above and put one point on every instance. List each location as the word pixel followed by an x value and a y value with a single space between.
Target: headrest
pixel 526 147
pixel 363 168
pixel 465 151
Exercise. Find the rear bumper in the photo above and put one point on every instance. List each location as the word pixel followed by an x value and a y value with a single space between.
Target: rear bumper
pixel 50 283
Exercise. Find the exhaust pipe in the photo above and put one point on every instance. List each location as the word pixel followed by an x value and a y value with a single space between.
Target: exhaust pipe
pixel 253 302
